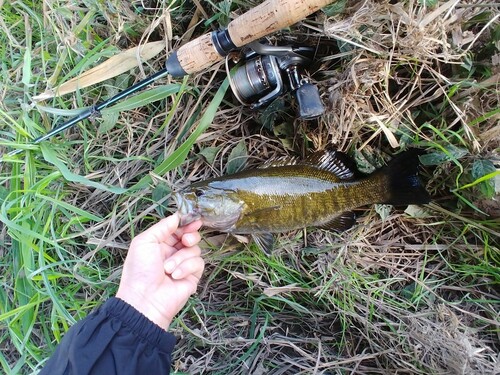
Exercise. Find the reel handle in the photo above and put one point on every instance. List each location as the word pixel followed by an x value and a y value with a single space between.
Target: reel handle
pixel 309 102
pixel 264 19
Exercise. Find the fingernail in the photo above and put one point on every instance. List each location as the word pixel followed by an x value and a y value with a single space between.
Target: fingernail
pixel 169 266
pixel 173 221
pixel 188 239
pixel 177 274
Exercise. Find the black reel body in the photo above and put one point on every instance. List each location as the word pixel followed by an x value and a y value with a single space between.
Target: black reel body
pixel 269 71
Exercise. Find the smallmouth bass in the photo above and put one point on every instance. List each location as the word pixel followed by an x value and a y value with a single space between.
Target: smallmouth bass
pixel 320 191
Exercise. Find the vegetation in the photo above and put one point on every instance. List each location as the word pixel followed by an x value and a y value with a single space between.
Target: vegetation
pixel 412 290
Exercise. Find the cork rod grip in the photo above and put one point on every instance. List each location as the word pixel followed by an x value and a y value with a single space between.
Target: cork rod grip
pixel 264 19
pixel 269 17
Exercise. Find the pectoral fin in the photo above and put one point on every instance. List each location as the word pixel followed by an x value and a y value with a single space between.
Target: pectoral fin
pixel 341 223
pixel 264 241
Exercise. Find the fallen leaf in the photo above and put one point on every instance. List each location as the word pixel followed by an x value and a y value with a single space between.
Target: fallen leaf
pixel 114 66
pixel 272 291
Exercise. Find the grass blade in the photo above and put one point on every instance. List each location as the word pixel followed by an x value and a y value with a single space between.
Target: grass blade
pixel 50 156
pixel 180 154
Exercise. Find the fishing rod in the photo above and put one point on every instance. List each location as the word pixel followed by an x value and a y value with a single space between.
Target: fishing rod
pixel 204 51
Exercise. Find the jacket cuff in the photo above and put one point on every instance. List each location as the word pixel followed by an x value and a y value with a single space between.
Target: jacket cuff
pixel 139 324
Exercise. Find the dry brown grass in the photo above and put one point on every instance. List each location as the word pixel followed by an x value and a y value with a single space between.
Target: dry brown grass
pixel 412 292
pixel 404 59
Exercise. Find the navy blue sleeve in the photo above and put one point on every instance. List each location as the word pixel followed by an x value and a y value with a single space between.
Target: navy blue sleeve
pixel 114 339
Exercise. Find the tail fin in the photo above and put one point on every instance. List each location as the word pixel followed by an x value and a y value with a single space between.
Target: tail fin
pixel 404 185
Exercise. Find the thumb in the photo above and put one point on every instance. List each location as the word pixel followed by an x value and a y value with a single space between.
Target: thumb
pixel 159 232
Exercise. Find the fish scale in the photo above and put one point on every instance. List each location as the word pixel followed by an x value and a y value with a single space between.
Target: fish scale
pixel 289 197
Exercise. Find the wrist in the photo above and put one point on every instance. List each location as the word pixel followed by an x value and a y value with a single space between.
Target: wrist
pixel 145 307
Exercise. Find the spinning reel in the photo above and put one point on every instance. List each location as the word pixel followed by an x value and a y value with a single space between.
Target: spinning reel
pixel 267 72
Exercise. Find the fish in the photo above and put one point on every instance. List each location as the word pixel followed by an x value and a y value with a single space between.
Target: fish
pixel 287 194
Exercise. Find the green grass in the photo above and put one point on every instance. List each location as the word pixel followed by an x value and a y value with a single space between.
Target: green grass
pixel 413 291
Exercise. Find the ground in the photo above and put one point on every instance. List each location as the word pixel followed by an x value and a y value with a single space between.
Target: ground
pixel 409 290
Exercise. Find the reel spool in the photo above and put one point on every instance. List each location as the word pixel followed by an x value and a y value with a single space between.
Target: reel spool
pixel 267 72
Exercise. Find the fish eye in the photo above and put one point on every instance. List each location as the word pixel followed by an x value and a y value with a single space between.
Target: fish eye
pixel 198 192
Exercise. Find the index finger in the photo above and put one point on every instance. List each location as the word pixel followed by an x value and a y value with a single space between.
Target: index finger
pixel 161 231
pixel 191 227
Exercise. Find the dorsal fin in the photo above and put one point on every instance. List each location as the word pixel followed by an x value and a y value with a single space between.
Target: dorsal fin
pixel 335 162
pixel 280 162
pixel 330 160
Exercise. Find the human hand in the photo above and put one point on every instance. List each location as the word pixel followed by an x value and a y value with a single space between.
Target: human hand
pixel 162 269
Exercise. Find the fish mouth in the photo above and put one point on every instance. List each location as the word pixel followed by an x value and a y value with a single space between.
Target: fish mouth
pixel 186 210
